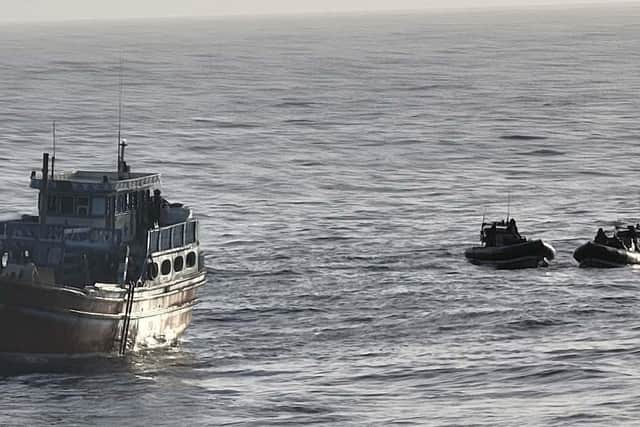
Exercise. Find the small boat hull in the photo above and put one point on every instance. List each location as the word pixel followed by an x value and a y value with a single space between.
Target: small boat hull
pixel 530 254
pixel 593 254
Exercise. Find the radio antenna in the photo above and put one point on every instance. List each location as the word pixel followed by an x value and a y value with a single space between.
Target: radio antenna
pixel 508 205
pixel 53 158
pixel 120 142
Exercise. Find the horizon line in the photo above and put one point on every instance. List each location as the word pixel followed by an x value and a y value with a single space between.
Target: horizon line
pixel 239 15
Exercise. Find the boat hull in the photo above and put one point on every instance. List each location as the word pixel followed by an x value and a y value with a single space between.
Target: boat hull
pixel 530 254
pixel 50 319
pixel 31 330
pixel 592 254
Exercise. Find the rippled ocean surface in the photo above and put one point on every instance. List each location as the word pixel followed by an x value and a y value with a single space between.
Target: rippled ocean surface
pixel 340 165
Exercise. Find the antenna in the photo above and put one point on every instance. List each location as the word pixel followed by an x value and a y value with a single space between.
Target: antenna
pixel 119 112
pixel 121 143
pixel 53 158
pixel 508 205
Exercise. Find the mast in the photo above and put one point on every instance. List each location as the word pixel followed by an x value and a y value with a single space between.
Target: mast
pixel 53 158
pixel 44 189
pixel 122 165
pixel 121 142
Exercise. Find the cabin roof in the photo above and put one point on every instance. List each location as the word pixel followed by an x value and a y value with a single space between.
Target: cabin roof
pixel 97 182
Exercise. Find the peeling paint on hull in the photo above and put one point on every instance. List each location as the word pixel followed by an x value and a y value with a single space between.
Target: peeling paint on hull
pixel 59 320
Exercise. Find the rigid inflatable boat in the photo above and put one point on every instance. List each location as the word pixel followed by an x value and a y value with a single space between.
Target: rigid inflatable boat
pixel 617 251
pixel 503 247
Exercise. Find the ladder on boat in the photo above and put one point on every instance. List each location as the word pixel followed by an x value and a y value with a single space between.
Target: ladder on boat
pixel 127 318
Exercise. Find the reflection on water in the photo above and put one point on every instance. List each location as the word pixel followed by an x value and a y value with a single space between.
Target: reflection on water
pixel 141 363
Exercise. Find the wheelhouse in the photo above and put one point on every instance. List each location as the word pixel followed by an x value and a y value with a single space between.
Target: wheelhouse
pixel 101 227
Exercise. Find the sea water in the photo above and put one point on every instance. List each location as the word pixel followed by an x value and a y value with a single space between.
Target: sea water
pixel 340 165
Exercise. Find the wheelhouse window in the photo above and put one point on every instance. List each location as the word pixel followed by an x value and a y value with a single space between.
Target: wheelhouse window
pixel 121 205
pixel 98 206
pixel 178 235
pixel 66 205
pixel 191 232
pixel 165 239
pixel 52 204
pixel 82 206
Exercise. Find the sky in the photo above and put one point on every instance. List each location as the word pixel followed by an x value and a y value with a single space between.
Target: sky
pixel 57 10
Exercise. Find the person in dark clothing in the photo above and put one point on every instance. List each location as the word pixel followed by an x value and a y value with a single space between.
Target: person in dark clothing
pixel 490 235
pixel 513 228
pixel 601 237
pixel 616 242
pixel 156 204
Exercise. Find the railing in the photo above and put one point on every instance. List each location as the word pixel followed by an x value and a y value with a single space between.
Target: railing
pixel 57 176
pixel 172 237
pixel 97 181
pixel 61 233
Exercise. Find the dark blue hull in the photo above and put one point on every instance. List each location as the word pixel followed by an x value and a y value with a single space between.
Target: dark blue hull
pixel 530 254
pixel 593 254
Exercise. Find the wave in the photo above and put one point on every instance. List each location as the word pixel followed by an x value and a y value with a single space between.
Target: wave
pixel 296 104
pixel 554 373
pixel 531 324
pixel 518 137
pixel 545 152
pixel 225 124
pixel 300 122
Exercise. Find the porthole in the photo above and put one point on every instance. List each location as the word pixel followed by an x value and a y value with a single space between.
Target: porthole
pixel 178 263
pixel 191 259
pixel 166 267
pixel 152 269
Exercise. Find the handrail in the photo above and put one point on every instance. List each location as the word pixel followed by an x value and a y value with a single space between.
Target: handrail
pixel 127 318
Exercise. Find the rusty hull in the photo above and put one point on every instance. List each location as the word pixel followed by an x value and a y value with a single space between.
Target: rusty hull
pixel 53 319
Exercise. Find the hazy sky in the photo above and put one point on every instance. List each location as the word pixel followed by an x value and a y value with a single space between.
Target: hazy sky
pixel 46 10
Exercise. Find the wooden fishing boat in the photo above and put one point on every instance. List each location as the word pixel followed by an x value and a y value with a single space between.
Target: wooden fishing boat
pixel 107 265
